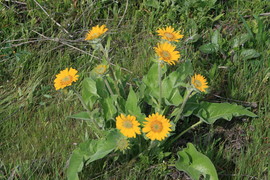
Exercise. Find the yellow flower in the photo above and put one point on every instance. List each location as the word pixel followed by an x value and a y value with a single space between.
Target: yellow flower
pixel 122 144
pixel 169 34
pixel 167 53
pixel 65 78
pixel 100 69
pixel 128 125
pixel 95 32
pixel 157 127
pixel 199 82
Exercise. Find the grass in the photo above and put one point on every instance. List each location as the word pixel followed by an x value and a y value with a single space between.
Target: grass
pixel 36 137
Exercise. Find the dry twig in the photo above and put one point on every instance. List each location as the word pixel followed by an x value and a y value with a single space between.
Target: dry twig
pixel 59 25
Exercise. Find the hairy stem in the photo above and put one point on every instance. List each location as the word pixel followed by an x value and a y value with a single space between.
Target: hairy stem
pixel 183 105
pixel 160 86
pixel 183 132
pixel 106 55
pixel 97 130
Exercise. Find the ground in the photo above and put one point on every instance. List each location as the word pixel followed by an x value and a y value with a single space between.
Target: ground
pixel 40 38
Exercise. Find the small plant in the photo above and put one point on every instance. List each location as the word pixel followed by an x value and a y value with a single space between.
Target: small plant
pixel 139 118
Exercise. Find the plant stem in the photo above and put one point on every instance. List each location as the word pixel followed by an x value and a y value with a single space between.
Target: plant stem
pixel 108 86
pixel 97 130
pixel 183 105
pixel 160 86
pixel 183 132
pixel 110 91
pixel 106 55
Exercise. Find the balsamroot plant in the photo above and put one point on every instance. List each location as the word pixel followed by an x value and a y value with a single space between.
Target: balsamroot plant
pixel 140 117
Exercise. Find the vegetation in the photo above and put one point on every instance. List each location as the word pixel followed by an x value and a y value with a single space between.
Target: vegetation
pixel 227 41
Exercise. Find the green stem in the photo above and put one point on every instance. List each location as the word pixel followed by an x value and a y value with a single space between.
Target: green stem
pixel 183 132
pixel 108 86
pixel 110 91
pixel 183 105
pixel 160 86
pixel 97 130
pixel 106 55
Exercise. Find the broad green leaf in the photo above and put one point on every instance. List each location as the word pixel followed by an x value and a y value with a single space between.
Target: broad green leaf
pixel 190 107
pixel 175 99
pixel 90 151
pixel 185 69
pixel 167 86
pixel 170 90
pixel 240 39
pixel 108 107
pixel 101 88
pixel 249 54
pixel 89 91
pixel 75 165
pixel 209 48
pixel 80 115
pixel 151 80
pixel 210 112
pixel 193 38
pixel 132 103
pixel 216 38
pixel 195 164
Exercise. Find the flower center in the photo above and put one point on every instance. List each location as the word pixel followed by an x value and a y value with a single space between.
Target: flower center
pixel 127 124
pixel 122 144
pixel 156 126
pixel 169 35
pixel 95 34
pixel 166 54
pixel 66 80
pixel 197 83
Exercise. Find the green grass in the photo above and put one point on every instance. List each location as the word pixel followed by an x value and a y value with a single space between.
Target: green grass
pixel 37 138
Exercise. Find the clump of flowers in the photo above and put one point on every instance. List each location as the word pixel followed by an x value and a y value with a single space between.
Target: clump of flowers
pixel 157 127
pixel 96 32
pixel 169 34
pixel 199 82
pixel 167 53
pixel 166 93
pixel 65 78
pixel 128 125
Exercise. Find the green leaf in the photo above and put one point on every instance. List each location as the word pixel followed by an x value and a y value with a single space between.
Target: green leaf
pixel 217 17
pixel 190 107
pixel 209 48
pixel 89 92
pixel 175 98
pixel 75 165
pixel 184 70
pixel 108 107
pixel 216 38
pixel 240 39
pixel 90 151
pixel 210 112
pixel 194 38
pixel 101 88
pixel 151 80
pixel 132 103
pixel 195 164
pixel 249 54
pixel 80 115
